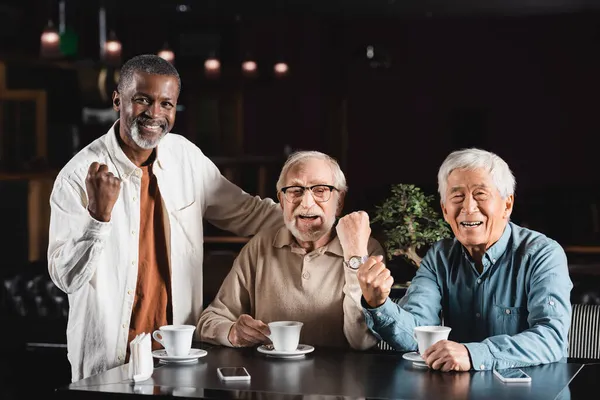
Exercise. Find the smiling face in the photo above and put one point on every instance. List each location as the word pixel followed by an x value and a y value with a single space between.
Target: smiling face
pixel 310 222
pixel 475 209
pixel 147 109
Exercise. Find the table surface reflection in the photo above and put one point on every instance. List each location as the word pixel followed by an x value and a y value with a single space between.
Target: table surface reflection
pixel 323 374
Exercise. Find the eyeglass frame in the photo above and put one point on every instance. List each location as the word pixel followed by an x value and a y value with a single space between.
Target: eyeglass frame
pixel 310 189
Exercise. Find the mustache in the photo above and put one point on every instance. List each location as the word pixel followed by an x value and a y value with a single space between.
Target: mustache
pixel 145 118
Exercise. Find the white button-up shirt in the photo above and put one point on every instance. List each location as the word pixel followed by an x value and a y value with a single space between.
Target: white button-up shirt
pixel 96 263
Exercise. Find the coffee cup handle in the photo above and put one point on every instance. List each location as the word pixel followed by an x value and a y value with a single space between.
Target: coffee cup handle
pixel 156 335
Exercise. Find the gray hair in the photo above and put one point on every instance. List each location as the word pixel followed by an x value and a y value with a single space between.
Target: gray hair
pixel 472 159
pixel 300 157
pixel 148 63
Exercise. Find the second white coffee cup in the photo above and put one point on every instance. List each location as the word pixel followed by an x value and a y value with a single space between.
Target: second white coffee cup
pixel 285 335
pixel 428 335
pixel 176 339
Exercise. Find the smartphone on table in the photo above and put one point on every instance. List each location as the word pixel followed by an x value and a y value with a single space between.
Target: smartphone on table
pixel 233 374
pixel 510 375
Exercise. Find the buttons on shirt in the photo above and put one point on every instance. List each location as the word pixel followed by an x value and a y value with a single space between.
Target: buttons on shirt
pixel 120 358
pixel 124 326
pixel 133 263
pixel 478 315
pixel 482 367
pixel 133 198
pixel 493 260
pixel 551 302
pixel 138 173
pixel 129 292
pixel 478 280
pixel 378 313
pixel 507 311
pixel 306 275
pixel 133 233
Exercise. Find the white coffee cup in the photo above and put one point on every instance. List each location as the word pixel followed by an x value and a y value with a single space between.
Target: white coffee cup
pixel 428 335
pixel 176 339
pixel 285 335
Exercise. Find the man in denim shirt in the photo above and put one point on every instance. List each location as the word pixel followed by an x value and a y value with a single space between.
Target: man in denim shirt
pixel 503 289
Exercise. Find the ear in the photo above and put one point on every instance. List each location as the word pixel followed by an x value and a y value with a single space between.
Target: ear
pixel 280 199
pixel 116 101
pixel 508 206
pixel 340 205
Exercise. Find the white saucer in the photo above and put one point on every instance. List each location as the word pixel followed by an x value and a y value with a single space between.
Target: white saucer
pixel 192 361
pixel 420 364
pixel 194 355
pixel 298 353
pixel 413 356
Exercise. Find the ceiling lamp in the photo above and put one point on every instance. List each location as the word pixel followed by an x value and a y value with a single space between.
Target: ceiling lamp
pixel 167 54
pixel 50 42
pixel 212 67
pixel 249 68
pixel 281 69
pixel 112 50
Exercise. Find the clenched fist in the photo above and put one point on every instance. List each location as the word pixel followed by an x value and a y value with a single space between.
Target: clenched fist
pixel 375 281
pixel 103 191
pixel 354 230
pixel 247 331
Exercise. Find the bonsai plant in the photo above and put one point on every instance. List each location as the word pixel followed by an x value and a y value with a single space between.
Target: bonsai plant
pixel 409 222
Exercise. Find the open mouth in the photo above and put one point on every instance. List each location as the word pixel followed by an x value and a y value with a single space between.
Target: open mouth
pixel 151 127
pixel 471 224
pixel 309 217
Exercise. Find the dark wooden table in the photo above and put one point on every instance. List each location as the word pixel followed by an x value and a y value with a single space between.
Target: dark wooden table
pixel 328 374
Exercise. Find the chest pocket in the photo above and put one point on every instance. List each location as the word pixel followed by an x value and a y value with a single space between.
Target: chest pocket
pixel 509 320
pixel 187 226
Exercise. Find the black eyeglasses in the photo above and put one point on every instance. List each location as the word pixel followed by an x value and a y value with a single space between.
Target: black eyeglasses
pixel 321 193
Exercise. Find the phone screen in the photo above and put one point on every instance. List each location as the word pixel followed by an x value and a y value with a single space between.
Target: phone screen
pixel 233 371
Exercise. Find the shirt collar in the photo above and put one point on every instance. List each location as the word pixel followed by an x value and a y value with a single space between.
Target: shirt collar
pixel 500 246
pixel 125 167
pixel 285 238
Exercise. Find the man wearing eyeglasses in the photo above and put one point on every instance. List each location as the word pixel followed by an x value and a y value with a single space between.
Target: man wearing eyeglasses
pixel 304 271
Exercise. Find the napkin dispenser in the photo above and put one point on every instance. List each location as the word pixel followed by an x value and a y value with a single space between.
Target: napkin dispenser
pixel 141 364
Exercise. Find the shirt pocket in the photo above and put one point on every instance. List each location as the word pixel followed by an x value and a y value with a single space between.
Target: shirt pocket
pixel 186 227
pixel 509 320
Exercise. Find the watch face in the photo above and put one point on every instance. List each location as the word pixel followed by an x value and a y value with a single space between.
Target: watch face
pixel 354 262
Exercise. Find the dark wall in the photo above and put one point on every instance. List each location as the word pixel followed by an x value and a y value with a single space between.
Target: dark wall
pixel 524 86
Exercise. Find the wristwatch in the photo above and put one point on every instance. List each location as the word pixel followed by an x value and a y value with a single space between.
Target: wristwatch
pixel 355 261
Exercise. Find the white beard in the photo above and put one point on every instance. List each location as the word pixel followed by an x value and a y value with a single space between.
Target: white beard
pixel 311 235
pixel 141 141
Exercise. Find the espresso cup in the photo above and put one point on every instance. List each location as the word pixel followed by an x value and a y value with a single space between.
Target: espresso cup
pixel 176 339
pixel 285 335
pixel 428 335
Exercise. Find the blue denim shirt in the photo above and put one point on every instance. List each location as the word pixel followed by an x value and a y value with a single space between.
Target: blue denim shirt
pixel 516 313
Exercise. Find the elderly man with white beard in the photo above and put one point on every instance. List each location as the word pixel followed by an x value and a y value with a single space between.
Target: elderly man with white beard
pixel 304 271
pixel 126 231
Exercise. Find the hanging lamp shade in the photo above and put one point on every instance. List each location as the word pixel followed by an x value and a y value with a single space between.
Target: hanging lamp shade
pixel 112 50
pixel 50 42
pixel 167 54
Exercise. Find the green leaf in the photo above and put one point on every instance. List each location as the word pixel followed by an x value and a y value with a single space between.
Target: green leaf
pixel 408 218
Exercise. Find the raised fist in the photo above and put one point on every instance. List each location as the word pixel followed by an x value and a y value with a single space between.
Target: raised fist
pixel 354 231
pixel 103 191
